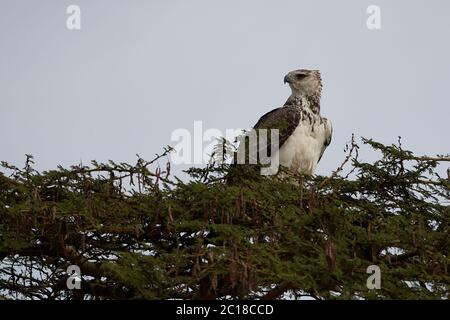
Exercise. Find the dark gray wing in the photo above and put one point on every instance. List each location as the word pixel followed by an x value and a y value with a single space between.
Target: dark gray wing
pixel 285 119
pixel 329 135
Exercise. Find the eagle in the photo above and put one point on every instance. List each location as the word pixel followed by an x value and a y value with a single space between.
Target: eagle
pixel 303 133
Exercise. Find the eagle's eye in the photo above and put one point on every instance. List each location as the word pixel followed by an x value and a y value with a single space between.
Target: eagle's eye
pixel 300 76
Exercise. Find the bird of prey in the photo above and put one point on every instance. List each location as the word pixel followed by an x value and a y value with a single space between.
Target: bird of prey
pixel 303 133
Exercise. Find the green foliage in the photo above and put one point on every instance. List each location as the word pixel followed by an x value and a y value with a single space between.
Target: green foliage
pixel 228 232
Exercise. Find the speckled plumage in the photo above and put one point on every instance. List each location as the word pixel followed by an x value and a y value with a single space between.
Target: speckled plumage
pixel 303 133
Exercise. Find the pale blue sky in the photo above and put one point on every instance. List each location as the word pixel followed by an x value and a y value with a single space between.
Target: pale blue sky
pixel 140 69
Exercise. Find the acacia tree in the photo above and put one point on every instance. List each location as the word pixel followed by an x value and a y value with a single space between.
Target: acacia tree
pixel 137 232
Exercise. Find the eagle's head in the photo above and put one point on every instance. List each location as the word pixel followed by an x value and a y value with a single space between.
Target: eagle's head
pixel 304 82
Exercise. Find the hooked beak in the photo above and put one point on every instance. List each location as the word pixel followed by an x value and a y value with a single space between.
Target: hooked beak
pixel 287 79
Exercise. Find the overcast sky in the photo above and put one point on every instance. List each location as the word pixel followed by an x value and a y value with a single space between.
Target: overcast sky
pixel 138 70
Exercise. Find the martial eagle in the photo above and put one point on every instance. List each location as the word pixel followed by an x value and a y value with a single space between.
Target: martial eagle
pixel 303 133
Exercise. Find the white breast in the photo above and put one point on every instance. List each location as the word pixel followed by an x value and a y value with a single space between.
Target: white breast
pixel 303 148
